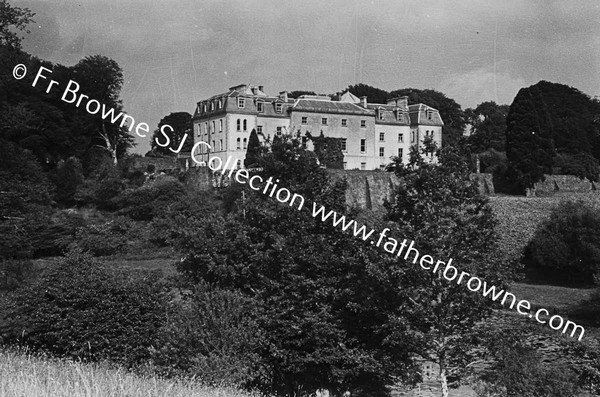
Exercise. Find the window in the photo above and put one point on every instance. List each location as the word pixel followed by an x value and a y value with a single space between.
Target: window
pixel 431 134
pixel 220 104
pixel 204 108
pixel 380 114
pixel 206 127
pixel 363 166
pixel 259 129
pixel 363 123
pixel 363 145
pixel 345 165
pixel 278 131
pixel 213 126
pixel 304 120
pixel 214 147
pixel 259 106
pixel 344 144
pixel 278 107
pixel 400 138
pixel 381 152
pixel 212 106
pixel 324 121
pixel 412 137
pixel 241 102
pixel 245 143
pixel 381 136
pixel 344 123
pixel 239 163
pixel 238 144
pixel 429 114
pixel 239 124
pixel 245 125
pixel 220 125
pixel 221 145
pixel 400 152
pixel 304 139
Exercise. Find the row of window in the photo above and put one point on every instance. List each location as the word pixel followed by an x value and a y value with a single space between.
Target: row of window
pixel 324 121
pixel 260 106
pixel 238 146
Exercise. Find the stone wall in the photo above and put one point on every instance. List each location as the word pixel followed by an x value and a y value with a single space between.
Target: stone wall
pixel 562 183
pixel 367 189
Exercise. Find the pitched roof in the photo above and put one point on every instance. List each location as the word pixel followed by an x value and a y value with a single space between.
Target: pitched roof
pixel 327 106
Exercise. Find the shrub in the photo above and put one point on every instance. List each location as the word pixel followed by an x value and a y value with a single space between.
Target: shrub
pixel 83 310
pixel 567 246
pixel 148 201
pixel 212 334
pixel 67 177
pixel 582 165
pixel 103 239
pixel 13 273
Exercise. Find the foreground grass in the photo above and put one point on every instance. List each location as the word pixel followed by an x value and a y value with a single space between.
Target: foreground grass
pixel 24 375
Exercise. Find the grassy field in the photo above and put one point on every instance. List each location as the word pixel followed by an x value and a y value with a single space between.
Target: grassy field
pixel 25 376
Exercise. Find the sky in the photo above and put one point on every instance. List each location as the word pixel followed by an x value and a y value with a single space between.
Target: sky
pixel 176 53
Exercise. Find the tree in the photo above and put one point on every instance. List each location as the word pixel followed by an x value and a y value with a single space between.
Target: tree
pixel 450 111
pixel 544 121
pixel 12 20
pixel 181 123
pixel 488 123
pixel 373 94
pixel 299 93
pixel 329 320
pixel 328 151
pixel 566 248
pixel 101 78
pixel 254 150
pixel 438 207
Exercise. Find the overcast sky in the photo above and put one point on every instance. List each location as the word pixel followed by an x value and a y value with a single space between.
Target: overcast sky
pixel 175 53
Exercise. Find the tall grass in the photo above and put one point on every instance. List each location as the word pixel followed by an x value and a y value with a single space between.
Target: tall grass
pixel 25 375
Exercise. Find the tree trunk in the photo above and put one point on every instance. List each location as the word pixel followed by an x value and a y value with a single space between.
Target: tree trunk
pixel 110 148
pixel 443 379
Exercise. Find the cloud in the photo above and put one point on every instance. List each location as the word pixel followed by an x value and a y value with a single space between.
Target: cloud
pixel 476 86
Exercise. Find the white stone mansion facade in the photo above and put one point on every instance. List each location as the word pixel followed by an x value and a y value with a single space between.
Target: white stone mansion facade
pixel 371 133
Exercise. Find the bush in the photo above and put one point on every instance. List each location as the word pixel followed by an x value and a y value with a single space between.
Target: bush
pixel 566 248
pixel 83 310
pixel 151 200
pixel 212 334
pixel 67 178
pixel 13 273
pixel 582 165
pixel 103 239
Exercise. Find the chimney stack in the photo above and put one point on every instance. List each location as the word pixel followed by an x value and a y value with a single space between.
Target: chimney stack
pixel 260 88
pixel 363 101
pixel 283 95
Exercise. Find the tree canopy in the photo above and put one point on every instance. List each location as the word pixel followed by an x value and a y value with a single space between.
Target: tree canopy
pixel 13 20
pixel 181 124
pixel 546 120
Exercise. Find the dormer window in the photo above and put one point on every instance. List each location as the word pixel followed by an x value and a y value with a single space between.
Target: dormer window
pixel 259 106
pixel 429 114
pixel 380 113
pixel 278 107
pixel 220 104
pixel 398 115
pixel 204 108
pixel 241 103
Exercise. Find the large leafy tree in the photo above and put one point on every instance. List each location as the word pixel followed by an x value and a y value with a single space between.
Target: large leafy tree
pixel 181 128
pixel 12 21
pixel 438 207
pixel 549 122
pixel 488 126
pixel 373 94
pixel 330 320
pixel 101 78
